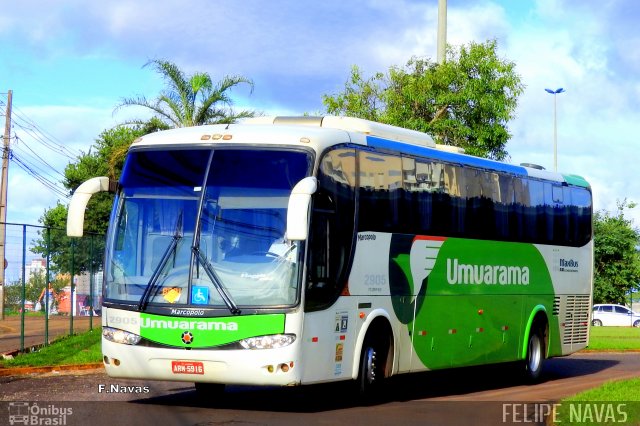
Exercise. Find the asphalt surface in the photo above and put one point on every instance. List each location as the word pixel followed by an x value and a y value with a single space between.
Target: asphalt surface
pixel 460 396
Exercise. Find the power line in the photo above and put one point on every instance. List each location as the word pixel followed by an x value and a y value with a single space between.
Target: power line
pixel 29 155
pixel 21 115
pixel 37 167
pixel 44 172
pixel 40 135
pixel 24 166
pixel 38 157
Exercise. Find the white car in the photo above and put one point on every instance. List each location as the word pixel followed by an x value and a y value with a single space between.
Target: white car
pixel 616 315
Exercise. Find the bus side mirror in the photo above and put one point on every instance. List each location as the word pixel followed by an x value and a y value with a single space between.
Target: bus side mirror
pixel 298 209
pixel 78 203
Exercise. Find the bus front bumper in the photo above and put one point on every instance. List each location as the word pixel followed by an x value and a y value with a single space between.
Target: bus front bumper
pixel 275 367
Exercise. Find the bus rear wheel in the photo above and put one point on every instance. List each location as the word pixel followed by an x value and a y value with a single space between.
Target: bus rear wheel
pixel 596 323
pixel 535 355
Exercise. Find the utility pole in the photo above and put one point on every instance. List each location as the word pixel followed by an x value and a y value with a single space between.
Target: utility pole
pixel 3 201
pixel 442 31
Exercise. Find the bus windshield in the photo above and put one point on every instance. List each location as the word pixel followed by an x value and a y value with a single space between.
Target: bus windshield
pixel 205 228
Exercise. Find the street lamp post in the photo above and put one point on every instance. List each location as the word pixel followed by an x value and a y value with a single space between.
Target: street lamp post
pixel 555 127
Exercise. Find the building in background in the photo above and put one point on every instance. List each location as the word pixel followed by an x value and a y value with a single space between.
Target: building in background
pixel 37 266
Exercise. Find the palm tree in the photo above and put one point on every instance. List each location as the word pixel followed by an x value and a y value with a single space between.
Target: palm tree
pixel 190 100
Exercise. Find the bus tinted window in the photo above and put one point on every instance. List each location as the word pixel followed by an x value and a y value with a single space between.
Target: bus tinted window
pixel 402 194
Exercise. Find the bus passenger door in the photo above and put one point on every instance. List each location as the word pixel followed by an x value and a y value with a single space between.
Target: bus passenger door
pixel 329 317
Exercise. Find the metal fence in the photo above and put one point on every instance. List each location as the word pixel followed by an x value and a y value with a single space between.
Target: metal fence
pixel 52 285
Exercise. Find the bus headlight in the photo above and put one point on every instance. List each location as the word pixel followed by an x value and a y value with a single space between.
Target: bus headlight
pixel 273 341
pixel 120 336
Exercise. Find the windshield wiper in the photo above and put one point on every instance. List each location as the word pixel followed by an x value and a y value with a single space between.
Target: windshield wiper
pixel 200 258
pixel 217 283
pixel 177 236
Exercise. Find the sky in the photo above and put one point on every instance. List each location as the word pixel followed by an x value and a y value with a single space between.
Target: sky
pixel 70 62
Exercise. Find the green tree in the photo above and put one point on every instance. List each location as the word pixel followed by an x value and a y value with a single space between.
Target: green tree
pixel 13 296
pixel 616 259
pixel 190 100
pixel 467 101
pixel 36 282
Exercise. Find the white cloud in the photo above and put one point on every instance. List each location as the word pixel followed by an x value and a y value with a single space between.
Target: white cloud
pixel 597 115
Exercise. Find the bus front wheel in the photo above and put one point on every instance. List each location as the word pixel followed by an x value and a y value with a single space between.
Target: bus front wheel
pixel 373 359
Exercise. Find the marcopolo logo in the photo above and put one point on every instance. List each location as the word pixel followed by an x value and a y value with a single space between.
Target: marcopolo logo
pixel 181 324
pixel 461 273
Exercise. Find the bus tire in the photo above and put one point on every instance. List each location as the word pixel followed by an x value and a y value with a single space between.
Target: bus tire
pixel 535 354
pixel 636 323
pixel 596 323
pixel 373 360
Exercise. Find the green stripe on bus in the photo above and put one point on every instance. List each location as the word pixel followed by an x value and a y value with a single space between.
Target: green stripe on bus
pixel 576 180
pixel 207 332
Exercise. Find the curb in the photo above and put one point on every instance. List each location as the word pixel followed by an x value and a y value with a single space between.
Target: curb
pixel 20 371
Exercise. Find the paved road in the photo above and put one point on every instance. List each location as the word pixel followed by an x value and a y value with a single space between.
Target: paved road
pixel 463 396
pixel 34 327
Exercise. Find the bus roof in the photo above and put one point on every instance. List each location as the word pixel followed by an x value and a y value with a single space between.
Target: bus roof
pixel 322 132
pixel 398 139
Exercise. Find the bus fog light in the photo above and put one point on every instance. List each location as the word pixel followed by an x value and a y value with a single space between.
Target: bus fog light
pixel 116 335
pixel 273 341
pixel 284 368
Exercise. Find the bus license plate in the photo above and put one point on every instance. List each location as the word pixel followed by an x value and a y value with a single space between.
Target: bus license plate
pixel 187 367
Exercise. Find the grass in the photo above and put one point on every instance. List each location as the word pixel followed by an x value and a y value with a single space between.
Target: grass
pixel 614 338
pixel 81 348
pixel 14 313
pixel 612 403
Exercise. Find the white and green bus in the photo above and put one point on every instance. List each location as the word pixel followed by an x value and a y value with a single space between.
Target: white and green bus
pixel 288 251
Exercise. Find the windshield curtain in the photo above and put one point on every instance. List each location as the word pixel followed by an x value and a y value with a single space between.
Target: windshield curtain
pixel 183 237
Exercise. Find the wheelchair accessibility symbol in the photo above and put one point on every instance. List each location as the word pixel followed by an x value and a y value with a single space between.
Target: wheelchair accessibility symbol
pixel 199 295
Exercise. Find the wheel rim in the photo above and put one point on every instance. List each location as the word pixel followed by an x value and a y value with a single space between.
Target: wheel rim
pixel 535 353
pixel 370 365
pixel 597 323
